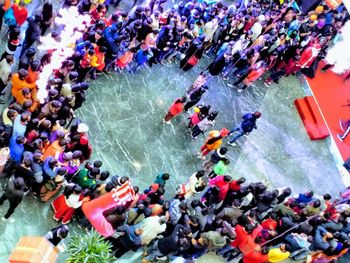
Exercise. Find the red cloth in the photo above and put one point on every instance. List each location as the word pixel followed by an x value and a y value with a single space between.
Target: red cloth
pixel 100 59
pixel 309 55
pixel 243 241
pixel 20 14
pixel 95 15
pixel 86 61
pixel 176 108
pixel 257 230
pixel 93 210
pixel 234 186
pixel 249 25
pixel 62 210
pixel 269 224
pixel 195 118
pixel 221 184
pixel 292 66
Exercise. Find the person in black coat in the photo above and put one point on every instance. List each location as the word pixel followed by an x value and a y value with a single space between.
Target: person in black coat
pixel 216 67
pixel 176 242
pixel 33 32
pixel 195 97
pixel 14 193
pixel 193 54
pixel 130 239
pixel 55 235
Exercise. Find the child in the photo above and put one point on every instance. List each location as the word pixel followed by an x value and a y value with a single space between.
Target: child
pixel 141 57
pixel 162 178
pixel 194 185
pixel 55 235
pixel 199 82
pixel 217 156
pixel 203 125
pixel 219 169
pixel 213 142
pixel 200 112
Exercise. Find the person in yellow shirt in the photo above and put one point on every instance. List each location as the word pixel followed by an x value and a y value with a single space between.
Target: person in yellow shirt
pixel 279 254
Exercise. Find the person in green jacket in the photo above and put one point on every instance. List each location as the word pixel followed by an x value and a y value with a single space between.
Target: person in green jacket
pixel 87 178
pixel 220 168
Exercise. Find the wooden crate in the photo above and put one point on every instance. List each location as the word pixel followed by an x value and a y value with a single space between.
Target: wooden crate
pixel 33 250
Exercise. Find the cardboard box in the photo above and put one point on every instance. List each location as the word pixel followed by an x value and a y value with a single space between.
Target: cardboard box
pixel 34 250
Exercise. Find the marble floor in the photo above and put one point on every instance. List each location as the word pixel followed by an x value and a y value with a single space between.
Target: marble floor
pixel 124 113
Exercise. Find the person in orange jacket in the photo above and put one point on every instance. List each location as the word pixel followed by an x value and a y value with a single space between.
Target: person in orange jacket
pixel 85 64
pixel 98 59
pixel 33 72
pixel 19 82
pixel 55 149
pixel 175 109
pixel 213 142
pixel 26 97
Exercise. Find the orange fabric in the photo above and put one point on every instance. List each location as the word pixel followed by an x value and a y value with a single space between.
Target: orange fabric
pixel 33 249
pixel 328 85
pixel 52 150
pixel 176 108
pixel 269 224
pixel 124 60
pixel 32 76
pixel 86 61
pixel 7 4
pixel 214 146
pixel 18 85
pixel 99 60
pixel 21 99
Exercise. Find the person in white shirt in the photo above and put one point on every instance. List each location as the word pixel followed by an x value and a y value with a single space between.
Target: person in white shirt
pixel 5 73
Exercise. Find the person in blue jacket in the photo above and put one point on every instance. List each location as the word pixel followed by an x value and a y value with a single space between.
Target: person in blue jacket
pixel 245 127
pixel 17 147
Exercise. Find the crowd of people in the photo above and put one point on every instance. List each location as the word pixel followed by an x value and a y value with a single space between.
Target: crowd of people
pixel 49 151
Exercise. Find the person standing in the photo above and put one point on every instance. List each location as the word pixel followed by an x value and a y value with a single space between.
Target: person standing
pixel 213 142
pixel 175 109
pixel 55 235
pixel 246 126
pixel 33 32
pixel 195 97
pixel 14 193
pixel 5 73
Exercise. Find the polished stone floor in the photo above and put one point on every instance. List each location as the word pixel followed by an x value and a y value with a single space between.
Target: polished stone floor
pixel 124 113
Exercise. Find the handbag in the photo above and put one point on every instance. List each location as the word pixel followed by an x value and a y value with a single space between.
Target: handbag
pixel 50 185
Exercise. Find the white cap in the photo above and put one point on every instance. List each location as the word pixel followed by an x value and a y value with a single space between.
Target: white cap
pixel 82 127
pixel 261 18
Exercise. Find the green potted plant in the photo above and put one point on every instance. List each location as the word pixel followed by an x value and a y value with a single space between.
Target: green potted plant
pixel 89 248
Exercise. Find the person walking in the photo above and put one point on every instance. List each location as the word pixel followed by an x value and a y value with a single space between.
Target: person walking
pixel 245 127
pixel 14 193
